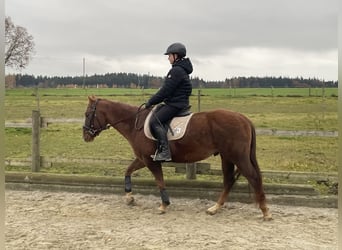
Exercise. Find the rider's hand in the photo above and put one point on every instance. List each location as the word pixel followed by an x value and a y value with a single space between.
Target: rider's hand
pixel 148 105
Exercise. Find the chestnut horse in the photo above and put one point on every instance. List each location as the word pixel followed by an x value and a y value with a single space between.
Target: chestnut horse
pixel 223 132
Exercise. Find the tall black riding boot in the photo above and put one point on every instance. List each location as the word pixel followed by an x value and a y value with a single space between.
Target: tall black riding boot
pixel 163 151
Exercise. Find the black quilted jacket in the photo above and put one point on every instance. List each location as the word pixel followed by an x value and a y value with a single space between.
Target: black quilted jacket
pixel 177 86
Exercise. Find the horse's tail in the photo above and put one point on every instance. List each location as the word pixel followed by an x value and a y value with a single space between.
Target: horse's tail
pixel 253 158
pixel 253 152
pixel 260 195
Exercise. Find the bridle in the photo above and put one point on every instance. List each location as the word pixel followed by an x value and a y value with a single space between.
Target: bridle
pixel 89 126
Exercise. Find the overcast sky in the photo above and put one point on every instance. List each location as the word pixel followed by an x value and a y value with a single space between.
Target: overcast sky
pixel 224 38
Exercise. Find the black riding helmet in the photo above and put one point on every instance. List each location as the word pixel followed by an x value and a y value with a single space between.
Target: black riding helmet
pixel 176 48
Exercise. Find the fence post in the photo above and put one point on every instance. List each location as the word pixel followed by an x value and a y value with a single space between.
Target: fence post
pixel 190 169
pixel 35 141
pixel 199 100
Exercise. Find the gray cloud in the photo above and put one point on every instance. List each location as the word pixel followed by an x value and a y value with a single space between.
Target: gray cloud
pixel 114 31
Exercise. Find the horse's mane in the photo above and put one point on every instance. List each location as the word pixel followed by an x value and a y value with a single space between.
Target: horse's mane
pixel 130 107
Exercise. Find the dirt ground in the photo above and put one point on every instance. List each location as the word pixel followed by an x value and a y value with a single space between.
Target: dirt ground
pixel 63 220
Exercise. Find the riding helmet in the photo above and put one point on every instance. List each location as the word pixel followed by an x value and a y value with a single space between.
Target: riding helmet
pixel 176 48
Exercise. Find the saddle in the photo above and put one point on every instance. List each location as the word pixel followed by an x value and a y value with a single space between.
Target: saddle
pixel 176 127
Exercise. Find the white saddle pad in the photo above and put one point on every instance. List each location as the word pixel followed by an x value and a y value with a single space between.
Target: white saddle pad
pixel 178 126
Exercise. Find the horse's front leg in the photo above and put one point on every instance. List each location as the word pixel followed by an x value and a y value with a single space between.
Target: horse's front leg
pixel 135 165
pixel 157 171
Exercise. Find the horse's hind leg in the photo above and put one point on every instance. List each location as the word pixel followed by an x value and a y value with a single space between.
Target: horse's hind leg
pixel 135 165
pixel 228 182
pixel 254 178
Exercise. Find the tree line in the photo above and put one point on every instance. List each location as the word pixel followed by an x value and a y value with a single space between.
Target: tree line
pixel 132 80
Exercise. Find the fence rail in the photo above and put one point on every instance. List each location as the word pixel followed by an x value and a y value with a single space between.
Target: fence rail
pixel 46 121
pixel 198 167
pixel 285 194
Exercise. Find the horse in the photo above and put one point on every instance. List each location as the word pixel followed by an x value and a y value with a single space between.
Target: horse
pixel 218 132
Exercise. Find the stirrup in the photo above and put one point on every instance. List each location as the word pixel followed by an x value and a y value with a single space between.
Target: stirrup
pixel 157 154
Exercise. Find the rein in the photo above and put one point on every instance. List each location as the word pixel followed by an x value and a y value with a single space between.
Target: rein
pixel 137 117
pixel 90 127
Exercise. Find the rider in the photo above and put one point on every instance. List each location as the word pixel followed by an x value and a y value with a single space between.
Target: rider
pixel 174 94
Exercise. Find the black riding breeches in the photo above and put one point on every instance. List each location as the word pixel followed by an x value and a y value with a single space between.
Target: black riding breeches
pixel 163 114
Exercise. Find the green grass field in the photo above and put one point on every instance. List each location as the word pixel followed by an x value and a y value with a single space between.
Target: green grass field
pixel 235 92
pixel 283 109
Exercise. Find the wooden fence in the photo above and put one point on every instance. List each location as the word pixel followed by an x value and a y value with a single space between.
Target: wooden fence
pixel 191 169
pixel 44 122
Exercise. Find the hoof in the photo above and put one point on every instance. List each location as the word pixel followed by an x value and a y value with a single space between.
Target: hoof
pixel 130 199
pixel 268 217
pixel 267 214
pixel 162 209
pixel 213 210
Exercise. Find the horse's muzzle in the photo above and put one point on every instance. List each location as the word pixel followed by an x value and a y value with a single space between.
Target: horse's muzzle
pixel 87 136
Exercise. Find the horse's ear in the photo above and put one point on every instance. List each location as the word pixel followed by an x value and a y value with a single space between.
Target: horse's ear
pixel 92 98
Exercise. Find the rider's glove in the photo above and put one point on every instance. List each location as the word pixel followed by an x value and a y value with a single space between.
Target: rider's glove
pixel 148 105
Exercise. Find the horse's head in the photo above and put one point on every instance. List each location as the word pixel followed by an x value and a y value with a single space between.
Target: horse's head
pixel 95 121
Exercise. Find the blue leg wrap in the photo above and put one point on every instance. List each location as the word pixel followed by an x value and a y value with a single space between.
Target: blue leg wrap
pixel 128 184
pixel 164 197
